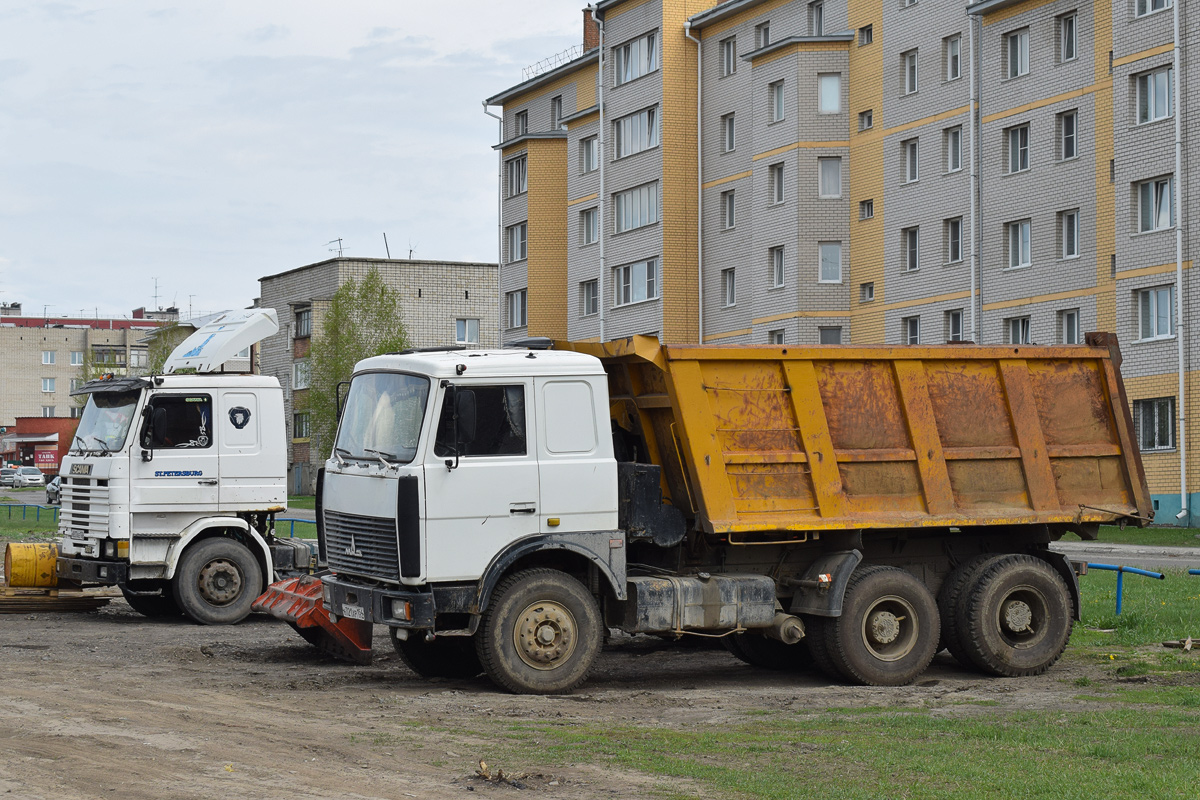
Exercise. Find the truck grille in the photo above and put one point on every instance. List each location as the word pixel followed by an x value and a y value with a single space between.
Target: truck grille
pixel 362 545
pixel 84 506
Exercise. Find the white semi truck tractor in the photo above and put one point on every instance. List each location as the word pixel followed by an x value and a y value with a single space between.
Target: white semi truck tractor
pixel 173 481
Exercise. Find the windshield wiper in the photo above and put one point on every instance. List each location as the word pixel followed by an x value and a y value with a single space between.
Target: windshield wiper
pixel 337 455
pixel 380 455
pixel 100 442
pixel 83 448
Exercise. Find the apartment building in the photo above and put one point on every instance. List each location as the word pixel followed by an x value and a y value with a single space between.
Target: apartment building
pixel 443 303
pixel 850 171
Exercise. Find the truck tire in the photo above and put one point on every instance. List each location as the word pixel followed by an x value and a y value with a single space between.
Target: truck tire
pixel 815 642
pixel 540 634
pixel 767 653
pixel 950 605
pixel 161 605
pixel 444 657
pixel 888 631
pixel 216 581
pixel 1017 617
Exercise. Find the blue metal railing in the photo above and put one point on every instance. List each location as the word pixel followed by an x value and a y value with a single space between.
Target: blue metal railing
pixel 1120 570
pixel 292 524
pixel 52 511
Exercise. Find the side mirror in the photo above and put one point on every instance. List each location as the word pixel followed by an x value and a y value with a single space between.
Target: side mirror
pixel 341 400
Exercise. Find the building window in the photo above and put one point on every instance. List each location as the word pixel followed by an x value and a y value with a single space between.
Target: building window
pixel 953 49
pixel 521 123
pixel 1069 326
pixel 1145 7
pixel 589 226
pixel 866 120
pixel 1156 204
pixel 637 58
pixel 866 35
pixel 76 412
pixel 48 356
pixel 517 242
pixel 1154 421
pixel 48 385
pixel 953 230
pixel 47 411
pixel 301 374
pixel 76 383
pixel 636 208
pixel 829 93
pixel 910 151
pixel 301 427
pixel 832 335
pixel 907 3
pixel 1067 39
pixel 589 154
pixel 728 56
pixel 518 175
pixel 816 15
pixel 910 328
pixel 1018 330
pixel 517 307
pixel 1156 312
pixel 776 266
pixel 954 325
pixel 729 286
pixel 1018 148
pixel 1018 244
pixel 1155 94
pixel 589 298
pixel 830 172
pixel 303 321
pixel 556 113
pixel 775 97
pixel 76 358
pixel 910 253
pixel 831 262
pixel 729 132
pixel 1068 223
pixel 1068 135
pixel 634 283
pixel 636 132
pixel 775 337
pixel 866 209
pixel 1018 53
pixel 953 142
pixel 908 63
pixel 728 208
pixel 866 292
pixel 140 356
pixel 762 34
pixel 466 331
pixel 776 183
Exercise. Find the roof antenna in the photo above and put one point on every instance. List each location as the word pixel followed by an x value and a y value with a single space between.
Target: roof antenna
pixel 340 248
pixel 386 249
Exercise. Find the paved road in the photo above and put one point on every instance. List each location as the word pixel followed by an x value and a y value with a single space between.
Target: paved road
pixel 300 513
pixel 1132 555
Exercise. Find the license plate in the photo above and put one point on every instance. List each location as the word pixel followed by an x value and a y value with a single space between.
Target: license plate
pixel 76 534
pixel 354 612
pixel 81 469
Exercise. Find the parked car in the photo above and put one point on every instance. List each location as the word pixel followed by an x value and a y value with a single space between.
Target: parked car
pixel 28 476
pixel 54 491
pixel 7 474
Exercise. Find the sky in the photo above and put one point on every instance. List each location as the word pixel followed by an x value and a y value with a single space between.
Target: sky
pixel 208 144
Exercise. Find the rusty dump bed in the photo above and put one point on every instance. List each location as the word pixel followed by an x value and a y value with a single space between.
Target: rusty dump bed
pixel 759 440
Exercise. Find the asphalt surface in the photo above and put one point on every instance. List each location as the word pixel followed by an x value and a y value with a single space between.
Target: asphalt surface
pixel 1132 555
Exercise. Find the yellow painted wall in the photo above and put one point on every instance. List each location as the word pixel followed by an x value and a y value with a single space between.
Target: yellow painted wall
pixel 547 238
pixel 866 174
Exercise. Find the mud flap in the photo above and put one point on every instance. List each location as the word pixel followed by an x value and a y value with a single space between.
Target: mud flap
pixel 298 602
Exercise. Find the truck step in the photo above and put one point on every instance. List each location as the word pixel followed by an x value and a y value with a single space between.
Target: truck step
pixel 298 601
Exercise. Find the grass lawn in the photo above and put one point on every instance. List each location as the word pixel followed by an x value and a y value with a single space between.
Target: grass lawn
pixel 307 501
pixel 1164 536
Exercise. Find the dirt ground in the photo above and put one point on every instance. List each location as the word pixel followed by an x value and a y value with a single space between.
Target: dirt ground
pixel 109 703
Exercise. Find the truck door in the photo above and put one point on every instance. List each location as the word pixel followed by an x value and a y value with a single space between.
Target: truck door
pixel 250 478
pixel 490 498
pixel 177 435
pixel 578 474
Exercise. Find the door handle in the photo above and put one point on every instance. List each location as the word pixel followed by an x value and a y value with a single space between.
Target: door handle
pixel 525 510
pixel 207 483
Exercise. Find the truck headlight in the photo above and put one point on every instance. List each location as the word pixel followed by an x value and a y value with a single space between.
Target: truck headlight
pixel 401 609
pixel 110 549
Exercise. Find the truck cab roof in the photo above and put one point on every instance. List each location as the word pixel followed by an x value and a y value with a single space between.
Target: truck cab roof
pixel 484 363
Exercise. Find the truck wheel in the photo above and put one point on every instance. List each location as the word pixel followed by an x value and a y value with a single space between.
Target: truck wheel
pixel 540 634
pixel 767 653
pixel 216 581
pixel 888 631
pixel 815 642
pixel 156 606
pixel 444 657
pixel 950 605
pixel 1017 618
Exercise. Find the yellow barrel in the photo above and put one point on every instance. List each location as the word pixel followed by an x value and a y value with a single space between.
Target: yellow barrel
pixel 30 565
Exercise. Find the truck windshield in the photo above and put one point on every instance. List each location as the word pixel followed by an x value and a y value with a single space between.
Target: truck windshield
pixel 105 421
pixel 383 416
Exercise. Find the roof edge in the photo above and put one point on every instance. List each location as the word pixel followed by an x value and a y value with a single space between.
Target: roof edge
pixel 545 77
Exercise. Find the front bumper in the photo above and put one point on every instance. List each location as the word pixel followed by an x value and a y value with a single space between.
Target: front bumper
pixel 374 604
pixel 91 570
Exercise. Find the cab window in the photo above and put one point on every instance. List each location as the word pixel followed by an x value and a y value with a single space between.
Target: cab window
pixel 499 423
pixel 178 421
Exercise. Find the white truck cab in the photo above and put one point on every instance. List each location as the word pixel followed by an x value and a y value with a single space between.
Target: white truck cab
pixel 173 482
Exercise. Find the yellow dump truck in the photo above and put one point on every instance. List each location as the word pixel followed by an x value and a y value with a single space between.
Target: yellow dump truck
pixel 849 508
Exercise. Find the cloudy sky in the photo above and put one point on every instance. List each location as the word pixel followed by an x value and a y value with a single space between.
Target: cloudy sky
pixel 207 144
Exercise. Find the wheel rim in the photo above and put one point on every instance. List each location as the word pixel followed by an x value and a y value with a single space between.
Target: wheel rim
pixel 889 628
pixel 545 635
pixel 220 582
pixel 1022 616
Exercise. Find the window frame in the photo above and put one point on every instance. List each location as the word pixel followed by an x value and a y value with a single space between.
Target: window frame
pixel 589 226
pixel 953 230
pixel 1155 196
pixel 49 386
pixel 589 298
pixel 866 209
pixel 912 159
pixel 822 185
pixel 1019 330
pixel 776 257
pixel 516 305
pixel 910 253
pixel 589 154
pixel 954 318
pixel 76 358
pixel 516 239
pixel 911 330
pixel 1149 312
pixel 728 51
pixel 952 48
pixel 822 248
pixel 829 331
pixel 465 327
pixel 1018 66
pixel 911 78
pixel 729 209
pixel 729 287
pixel 1018 150
pixel 953 154
pixel 778 193
pixel 1068 33
pixel 623 217
pixel 866 120
pixel 776 101
pixel 302 320
pixel 301 374
pixel 1159 406
pixel 729 132
pixel 1146 99
pixel 866 292
pixel 1064 316
pixel 1068 119
pixel 632 136
pixel 49 357
pixel 1020 243
pixel 1144 8
pixel 649 43
pixel 822 79
pixel 623 282
pixel 516 175
pixel 1069 227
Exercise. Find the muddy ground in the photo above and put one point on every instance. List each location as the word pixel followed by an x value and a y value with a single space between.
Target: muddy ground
pixel 109 703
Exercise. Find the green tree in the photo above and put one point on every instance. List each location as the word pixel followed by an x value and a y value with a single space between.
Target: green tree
pixel 165 340
pixel 363 320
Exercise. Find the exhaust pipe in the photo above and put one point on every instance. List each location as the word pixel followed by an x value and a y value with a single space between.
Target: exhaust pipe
pixel 787 628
